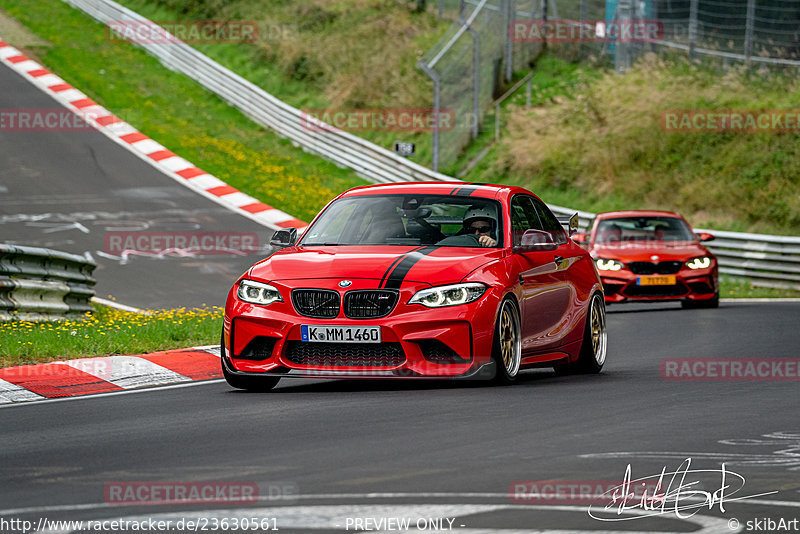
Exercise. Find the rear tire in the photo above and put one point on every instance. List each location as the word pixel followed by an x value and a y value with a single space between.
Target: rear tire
pixel 595 341
pixel 249 383
pixel 507 346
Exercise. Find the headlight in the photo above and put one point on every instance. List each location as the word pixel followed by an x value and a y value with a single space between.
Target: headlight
pixel 608 265
pixel 703 262
pixel 258 293
pixel 437 297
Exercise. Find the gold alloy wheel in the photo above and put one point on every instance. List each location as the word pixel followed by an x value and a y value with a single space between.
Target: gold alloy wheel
pixel 598 330
pixel 510 342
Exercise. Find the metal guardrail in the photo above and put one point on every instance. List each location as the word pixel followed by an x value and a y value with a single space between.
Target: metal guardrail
pixel 38 283
pixel 767 260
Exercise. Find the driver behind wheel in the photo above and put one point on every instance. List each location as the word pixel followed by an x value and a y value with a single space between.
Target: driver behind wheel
pixel 479 220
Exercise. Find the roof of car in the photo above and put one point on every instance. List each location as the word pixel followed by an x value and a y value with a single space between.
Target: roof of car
pixel 637 213
pixel 442 188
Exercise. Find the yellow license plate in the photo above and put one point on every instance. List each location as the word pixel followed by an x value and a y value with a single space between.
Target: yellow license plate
pixel 656 281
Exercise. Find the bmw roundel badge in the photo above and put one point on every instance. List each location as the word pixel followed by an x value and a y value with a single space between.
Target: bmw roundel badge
pixel 345 283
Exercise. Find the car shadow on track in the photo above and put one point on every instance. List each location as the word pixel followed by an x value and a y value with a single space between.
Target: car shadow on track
pixel 529 378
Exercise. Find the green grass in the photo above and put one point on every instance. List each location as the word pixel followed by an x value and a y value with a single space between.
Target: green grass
pixel 735 287
pixel 178 113
pixel 107 331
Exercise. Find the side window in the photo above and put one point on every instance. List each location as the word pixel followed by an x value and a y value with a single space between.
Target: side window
pixel 523 217
pixel 549 221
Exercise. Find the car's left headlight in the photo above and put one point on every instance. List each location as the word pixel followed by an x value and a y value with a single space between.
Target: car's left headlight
pixel 452 295
pixel 258 292
pixel 703 262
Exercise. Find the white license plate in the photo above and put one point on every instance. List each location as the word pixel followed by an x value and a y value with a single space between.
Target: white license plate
pixel 340 334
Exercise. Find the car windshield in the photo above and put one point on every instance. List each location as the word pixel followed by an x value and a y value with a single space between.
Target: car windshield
pixel 635 229
pixel 403 220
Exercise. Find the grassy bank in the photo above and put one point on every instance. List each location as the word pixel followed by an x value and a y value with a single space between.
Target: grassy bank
pixel 107 332
pixel 597 144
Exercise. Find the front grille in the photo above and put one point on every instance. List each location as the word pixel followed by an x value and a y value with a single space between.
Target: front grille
pixel 369 304
pixel 319 303
pixel 661 267
pixel 345 354
pixel 656 291
pixel 259 348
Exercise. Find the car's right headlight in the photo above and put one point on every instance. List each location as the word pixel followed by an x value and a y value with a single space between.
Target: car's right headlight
pixel 258 293
pixel 608 265
pixel 452 295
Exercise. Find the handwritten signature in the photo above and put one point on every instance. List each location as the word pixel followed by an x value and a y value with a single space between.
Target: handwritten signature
pixel 672 491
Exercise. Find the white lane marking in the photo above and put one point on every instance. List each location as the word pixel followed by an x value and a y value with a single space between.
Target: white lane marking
pixel 13 393
pixel 335 517
pixel 350 496
pixel 114 393
pixel 127 371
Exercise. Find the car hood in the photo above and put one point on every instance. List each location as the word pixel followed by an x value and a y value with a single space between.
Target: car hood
pixel 432 264
pixel 643 251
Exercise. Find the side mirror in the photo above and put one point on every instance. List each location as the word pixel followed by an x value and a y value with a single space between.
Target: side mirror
pixel 536 240
pixel 705 236
pixel 284 238
pixel 580 238
pixel 569 222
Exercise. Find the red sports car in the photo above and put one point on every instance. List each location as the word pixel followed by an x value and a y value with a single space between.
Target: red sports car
pixel 653 256
pixel 419 280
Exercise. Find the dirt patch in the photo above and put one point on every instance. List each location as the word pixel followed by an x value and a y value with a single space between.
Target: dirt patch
pixel 18 36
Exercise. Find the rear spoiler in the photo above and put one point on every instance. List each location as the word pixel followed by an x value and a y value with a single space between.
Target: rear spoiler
pixel 569 222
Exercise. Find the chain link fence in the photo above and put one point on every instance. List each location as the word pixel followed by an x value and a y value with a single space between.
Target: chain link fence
pixel 749 31
pixel 471 63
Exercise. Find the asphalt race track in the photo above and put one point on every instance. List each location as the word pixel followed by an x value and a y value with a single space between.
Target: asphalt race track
pixel 67 190
pixel 327 453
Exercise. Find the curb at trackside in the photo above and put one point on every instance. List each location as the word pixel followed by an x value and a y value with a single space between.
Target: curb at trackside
pixel 143 147
pixel 87 376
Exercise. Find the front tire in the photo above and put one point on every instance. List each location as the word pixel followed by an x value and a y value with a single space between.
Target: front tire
pixel 507 346
pixel 248 383
pixel 694 304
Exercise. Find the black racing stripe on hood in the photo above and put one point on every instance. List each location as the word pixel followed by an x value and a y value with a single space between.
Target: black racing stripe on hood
pixel 398 274
pixel 395 262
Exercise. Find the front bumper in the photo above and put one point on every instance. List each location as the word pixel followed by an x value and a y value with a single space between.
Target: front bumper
pixel 624 286
pixel 416 342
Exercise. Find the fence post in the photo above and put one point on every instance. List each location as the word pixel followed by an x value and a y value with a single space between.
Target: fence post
pixel 441 8
pixel 437 84
pixel 692 28
pixel 528 93
pixel 622 55
pixel 511 12
pixel 476 81
pixel 748 31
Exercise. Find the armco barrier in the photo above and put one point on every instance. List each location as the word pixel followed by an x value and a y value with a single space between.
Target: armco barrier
pixel 38 283
pixel 767 260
